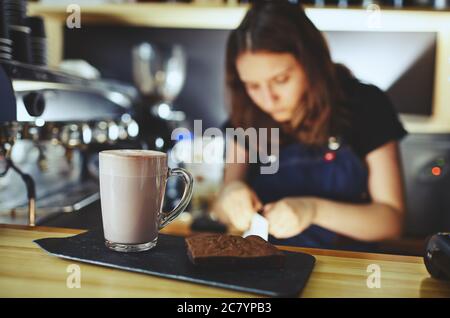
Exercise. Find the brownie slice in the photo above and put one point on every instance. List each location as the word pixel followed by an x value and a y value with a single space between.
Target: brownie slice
pixel 232 252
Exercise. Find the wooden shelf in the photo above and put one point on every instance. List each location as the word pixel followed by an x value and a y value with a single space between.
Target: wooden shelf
pixel 164 15
pixel 177 15
pixel 425 124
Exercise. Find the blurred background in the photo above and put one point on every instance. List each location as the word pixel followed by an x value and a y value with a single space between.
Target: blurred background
pixel 77 79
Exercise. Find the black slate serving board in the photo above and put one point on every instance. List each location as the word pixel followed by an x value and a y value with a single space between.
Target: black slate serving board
pixel 169 259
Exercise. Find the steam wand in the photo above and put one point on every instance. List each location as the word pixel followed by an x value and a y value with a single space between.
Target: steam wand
pixel 31 190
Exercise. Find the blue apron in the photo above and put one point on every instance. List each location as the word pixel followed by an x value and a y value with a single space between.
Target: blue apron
pixel 337 174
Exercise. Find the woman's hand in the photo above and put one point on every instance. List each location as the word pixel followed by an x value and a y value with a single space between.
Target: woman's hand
pixel 236 205
pixel 290 216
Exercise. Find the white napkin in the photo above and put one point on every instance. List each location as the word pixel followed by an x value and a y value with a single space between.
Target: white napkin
pixel 259 227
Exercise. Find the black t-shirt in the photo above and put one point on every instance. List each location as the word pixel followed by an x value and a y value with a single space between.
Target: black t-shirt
pixel 373 118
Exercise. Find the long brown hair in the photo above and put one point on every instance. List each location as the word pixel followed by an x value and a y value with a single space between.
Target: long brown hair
pixel 282 27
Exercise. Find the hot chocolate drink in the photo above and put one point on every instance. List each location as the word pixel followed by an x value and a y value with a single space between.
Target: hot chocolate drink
pixel 132 187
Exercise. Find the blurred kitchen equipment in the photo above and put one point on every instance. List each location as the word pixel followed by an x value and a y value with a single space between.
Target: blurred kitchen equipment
pixel 13 15
pixel 441 4
pixel 30 186
pixel 426 169
pixel 38 40
pixel 21 38
pixel 437 256
pixel 79 68
pixel 203 158
pixel 52 125
pixel 5 41
pixel 15 11
pixel 159 73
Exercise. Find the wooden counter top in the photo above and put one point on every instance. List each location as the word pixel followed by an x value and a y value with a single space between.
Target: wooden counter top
pixel 28 271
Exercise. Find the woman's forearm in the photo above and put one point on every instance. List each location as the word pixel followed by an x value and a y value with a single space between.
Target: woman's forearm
pixel 365 222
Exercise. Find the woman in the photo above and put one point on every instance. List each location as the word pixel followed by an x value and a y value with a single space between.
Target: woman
pixel 339 183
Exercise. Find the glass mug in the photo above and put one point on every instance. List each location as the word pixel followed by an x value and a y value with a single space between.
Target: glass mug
pixel 132 187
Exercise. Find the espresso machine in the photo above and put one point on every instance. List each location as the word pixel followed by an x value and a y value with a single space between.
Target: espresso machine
pixel 53 123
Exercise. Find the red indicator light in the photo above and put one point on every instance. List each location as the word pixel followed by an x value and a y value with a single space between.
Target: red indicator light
pixel 329 156
pixel 436 171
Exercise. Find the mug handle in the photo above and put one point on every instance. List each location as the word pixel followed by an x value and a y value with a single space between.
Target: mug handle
pixel 168 217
